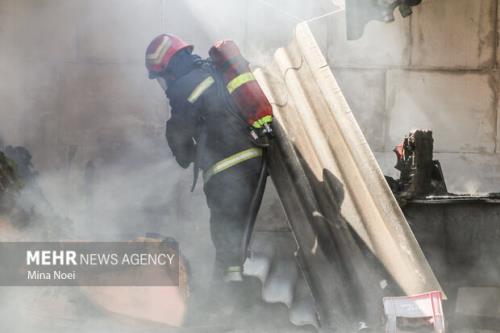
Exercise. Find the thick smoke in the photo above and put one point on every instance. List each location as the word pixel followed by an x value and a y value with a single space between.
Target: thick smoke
pixel 75 93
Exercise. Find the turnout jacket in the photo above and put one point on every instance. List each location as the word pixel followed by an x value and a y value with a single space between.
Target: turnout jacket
pixel 203 128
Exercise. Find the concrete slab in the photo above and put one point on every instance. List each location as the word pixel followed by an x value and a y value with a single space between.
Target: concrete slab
pixel 365 94
pixel 382 45
pixel 453 34
pixel 459 108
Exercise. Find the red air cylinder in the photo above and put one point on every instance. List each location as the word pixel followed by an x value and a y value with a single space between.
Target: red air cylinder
pixel 241 83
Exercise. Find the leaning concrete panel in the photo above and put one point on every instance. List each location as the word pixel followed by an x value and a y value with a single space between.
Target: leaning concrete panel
pixel 335 174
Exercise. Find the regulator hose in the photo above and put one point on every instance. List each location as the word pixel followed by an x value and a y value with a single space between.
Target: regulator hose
pixel 254 207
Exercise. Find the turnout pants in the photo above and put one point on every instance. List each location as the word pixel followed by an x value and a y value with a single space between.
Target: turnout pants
pixel 229 196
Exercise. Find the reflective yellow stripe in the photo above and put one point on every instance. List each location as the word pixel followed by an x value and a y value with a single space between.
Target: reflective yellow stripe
pixel 264 120
pixel 200 89
pixel 239 81
pixel 231 161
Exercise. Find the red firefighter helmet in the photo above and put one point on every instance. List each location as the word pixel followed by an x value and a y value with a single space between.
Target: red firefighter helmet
pixel 161 50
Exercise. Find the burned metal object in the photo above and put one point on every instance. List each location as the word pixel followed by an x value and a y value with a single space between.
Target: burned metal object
pixel 360 12
pixel 21 199
pixel 460 236
pixel 420 174
pixel 10 183
pixel 22 158
pixel 16 170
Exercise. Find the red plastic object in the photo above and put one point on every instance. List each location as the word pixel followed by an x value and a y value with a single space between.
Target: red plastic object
pixel 426 305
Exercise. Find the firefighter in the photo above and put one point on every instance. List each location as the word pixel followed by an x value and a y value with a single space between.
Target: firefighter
pixel 206 130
